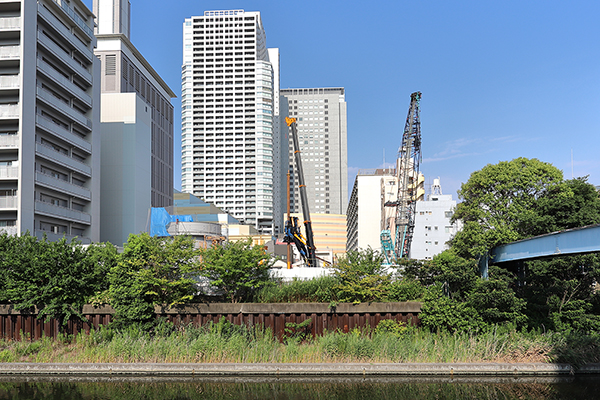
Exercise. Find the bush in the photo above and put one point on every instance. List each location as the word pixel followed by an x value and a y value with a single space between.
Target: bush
pixel 318 290
pixel 439 312
pixel 362 277
pixel 239 269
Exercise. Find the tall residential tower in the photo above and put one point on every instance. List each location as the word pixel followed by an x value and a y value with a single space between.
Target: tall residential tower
pixel 49 116
pixel 322 131
pixel 230 116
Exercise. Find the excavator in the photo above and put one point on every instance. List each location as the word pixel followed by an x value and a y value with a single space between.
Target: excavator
pixel 293 234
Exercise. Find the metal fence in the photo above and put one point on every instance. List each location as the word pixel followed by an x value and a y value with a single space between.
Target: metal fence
pixel 15 325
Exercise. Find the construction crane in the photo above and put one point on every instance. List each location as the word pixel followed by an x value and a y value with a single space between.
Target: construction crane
pixel 397 245
pixel 305 245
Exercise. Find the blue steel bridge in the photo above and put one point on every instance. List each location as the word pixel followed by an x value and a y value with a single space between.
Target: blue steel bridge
pixel 569 242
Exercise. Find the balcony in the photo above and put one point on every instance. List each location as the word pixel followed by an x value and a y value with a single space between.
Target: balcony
pixel 58 104
pixel 9 172
pixel 8 202
pixel 55 237
pixel 63 56
pixel 10 23
pixel 51 182
pixel 10 52
pixel 79 22
pixel 9 141
pixel 62 159
pixel 62 212
pixel 9 230
pixel 10 82
pixel 54 75
pixel 9 111
pixel 63 133
pixel 63 31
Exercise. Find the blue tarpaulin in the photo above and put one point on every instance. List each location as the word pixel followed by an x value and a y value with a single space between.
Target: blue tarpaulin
pixel 160 220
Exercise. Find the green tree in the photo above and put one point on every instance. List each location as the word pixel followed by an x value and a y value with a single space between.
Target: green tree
pixel 569 204
pixel 496 200
pixel 238 268
pixel 362 276
pixel 152 271
pixel 561 293
pixel 496 300
pixel 57 277
pixel 458 299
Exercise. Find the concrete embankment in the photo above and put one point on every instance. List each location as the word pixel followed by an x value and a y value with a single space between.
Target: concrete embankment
pixel 287 370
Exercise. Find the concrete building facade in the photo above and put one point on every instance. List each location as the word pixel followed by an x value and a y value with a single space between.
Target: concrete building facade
pixel 433 228
pixel 322 131
pixel 366 211
pixel 230 116
pixel 125 70
pixel 49 98
pixel 137 128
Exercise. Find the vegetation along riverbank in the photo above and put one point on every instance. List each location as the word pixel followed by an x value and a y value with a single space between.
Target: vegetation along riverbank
pixel 539 311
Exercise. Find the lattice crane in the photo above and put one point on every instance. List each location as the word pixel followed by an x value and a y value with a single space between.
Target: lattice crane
pixel 407 170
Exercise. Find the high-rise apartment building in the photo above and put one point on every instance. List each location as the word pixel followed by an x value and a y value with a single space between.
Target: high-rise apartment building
pixel 49 158
pixel 125 70
pixel 137 128
pixel 230 117
pixel 322 131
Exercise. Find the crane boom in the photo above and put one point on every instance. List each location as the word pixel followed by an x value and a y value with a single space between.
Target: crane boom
pixel 407 170
pixel 305 246
pixel 409 158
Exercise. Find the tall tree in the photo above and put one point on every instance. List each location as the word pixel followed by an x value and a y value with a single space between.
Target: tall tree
pixel 570 204
pixel 496 199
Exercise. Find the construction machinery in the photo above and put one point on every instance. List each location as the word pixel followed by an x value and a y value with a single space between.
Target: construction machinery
pixel 293 234
pixel 396 237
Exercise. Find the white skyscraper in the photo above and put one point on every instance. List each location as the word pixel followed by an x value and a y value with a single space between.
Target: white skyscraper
pixel 230 116
pixel 49 117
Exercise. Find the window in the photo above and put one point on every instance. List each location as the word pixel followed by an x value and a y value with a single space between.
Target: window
pixel 448 214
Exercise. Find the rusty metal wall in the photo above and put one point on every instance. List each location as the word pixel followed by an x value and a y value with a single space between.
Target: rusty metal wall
pixel 15 325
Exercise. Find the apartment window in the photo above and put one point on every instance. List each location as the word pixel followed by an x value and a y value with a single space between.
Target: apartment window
pixel 448 214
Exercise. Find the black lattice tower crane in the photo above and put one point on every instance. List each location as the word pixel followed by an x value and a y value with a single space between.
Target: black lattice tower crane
pixel 409 158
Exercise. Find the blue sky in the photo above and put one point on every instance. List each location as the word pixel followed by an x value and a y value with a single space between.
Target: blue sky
pixel 500 80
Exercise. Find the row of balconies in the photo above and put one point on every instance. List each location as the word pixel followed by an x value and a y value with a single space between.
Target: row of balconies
pixel 50 182
pixel 65 32
pixel 66 58
pixel 58 104
pixel 52 210
pixel 62 159
pixel 63 133
pixel 65 83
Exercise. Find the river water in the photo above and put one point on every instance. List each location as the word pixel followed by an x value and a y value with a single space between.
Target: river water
pixel 151 388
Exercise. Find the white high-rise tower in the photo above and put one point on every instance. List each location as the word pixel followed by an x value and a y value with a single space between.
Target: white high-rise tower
pixel 230 117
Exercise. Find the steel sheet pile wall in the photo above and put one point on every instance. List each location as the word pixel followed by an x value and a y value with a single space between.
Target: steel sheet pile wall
pixel 343 317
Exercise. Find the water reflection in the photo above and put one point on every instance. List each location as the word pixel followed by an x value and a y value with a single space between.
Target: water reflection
pixel 150 388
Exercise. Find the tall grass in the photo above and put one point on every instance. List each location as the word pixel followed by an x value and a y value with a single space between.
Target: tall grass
pixel 224 342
